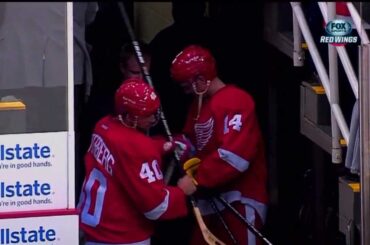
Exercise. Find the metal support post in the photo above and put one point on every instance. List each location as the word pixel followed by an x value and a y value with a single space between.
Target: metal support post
pixel 298 53
pixel 364 142
pixel 336 156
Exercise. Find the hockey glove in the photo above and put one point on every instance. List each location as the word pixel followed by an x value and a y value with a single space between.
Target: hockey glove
pixel 190 167
pixel 182 146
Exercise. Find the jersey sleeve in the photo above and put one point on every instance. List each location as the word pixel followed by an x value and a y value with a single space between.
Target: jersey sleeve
pixel 142 179
pixel 238 134
pixel 159 142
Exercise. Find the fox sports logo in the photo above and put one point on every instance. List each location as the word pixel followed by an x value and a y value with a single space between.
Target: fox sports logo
pixel 338 28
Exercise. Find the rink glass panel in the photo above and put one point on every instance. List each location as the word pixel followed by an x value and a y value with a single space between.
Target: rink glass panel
pixel 33 67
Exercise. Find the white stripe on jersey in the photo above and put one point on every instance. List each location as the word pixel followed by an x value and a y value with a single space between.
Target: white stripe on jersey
pixel 156 212
pixel 234 160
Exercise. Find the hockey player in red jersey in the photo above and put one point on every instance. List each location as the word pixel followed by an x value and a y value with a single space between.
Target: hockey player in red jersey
pixel 222 124
pixel 123 191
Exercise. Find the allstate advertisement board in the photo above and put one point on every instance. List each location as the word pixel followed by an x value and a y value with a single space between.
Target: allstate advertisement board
pixel 61 230
pixel 34 171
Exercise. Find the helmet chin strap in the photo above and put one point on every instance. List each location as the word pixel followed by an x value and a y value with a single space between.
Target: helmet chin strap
pixel 200 96
pixel 128 122
pixel 132 121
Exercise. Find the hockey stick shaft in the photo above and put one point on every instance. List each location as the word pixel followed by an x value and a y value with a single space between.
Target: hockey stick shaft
pixel 219 215
pixel 148 78
pixel 251 227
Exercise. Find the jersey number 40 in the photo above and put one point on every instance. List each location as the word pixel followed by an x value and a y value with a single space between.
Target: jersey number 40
pixel 152 173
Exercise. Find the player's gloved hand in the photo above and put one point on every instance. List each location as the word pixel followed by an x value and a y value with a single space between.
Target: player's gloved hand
pixel 184 148
pixel 190 167
pixel 187 185
pixel 181 145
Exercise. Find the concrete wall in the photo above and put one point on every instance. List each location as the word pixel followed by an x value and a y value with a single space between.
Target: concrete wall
pixel 150 18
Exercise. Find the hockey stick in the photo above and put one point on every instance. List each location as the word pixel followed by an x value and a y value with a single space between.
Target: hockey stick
pixel 144 70
pixel 219 215
pixel 207 235
pixel 190 167
pixel 251 227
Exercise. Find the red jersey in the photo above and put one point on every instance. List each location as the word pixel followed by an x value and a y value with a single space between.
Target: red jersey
pixel 229 143
pixel 124 191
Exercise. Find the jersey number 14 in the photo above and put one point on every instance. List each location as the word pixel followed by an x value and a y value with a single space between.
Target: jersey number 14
pixel 235 122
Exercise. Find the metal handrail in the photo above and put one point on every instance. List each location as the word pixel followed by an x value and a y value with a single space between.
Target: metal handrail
pixel 297 10
pixel 357 20
pixel 364 98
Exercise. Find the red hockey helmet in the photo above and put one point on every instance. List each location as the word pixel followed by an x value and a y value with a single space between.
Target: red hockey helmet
pixel 194 60
pixel 136 98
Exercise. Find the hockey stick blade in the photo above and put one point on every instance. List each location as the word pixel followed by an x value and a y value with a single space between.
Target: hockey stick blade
pixel 206 233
